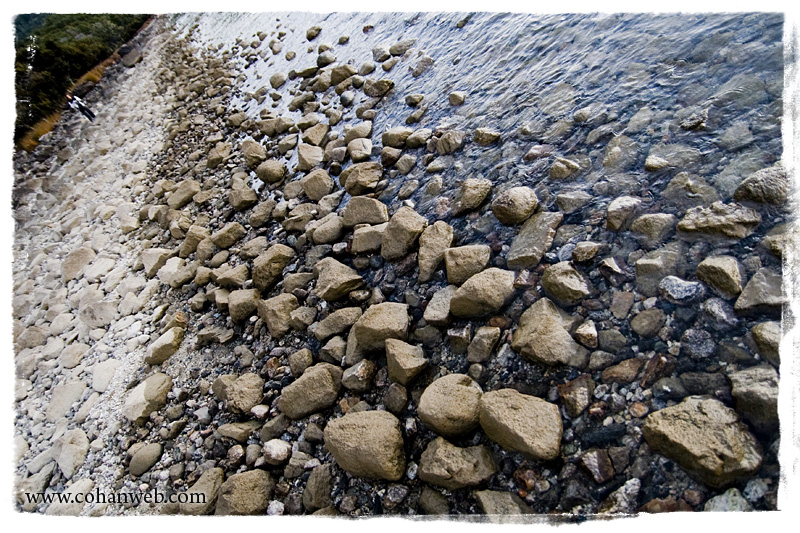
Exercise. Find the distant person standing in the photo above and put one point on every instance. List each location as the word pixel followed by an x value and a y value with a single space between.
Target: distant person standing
pixel 80 105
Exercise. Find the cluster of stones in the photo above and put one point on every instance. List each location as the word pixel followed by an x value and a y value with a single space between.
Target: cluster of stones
pixel 344 298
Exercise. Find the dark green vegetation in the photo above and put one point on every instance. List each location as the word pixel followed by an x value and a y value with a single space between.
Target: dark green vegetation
pixel 55 50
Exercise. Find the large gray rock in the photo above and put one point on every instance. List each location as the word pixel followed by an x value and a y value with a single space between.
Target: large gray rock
pixel 243 303
pixel 483 294
pixel 166 345
pixel 335 280
pixel 706 439
pixel 652 229
pixel 317 184
pixel 63 396
pixel 450 405
pixel 277 313
pixel 472 194
pixel 514 205
pixel 153 259
pixel 367 444
pixel 144 458
pixel 150 395
pixel 686 190
pixel 767 186
pixel 361 178
pixel 70 451
pixel 315 390
pixel 75 262
pixel 620 212
pixel 247 493
pixel 755 391
pixel 533 240
pixel 401 233
pixel 454 468
pixel 762 294
pixel 768 339
pixel 542 337
pixel 656 265
pixel 724 274
pixel 437 313
pixel 721 222
pixel 435 239
pixel 267 267
pixel 521 423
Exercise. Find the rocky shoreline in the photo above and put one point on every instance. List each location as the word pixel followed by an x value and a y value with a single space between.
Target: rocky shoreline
pixel 295 313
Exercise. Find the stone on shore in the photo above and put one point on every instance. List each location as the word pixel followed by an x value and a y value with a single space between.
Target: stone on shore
pixel 247 493
pixel 335 280
pixel 315 390
pixel 514 205
pixel 483 294
pixel 523 423
pixel 148 396
pixel 165 346
pixel 267 267
pixel 450 405
pixel 454 468
pixel 542 336
pixel 404 361
pixel 433 242
pixel 533 240
pixel 401 233
pixel 367 444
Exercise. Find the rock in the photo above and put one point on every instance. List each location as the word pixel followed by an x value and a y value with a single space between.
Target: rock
pixel 166 345
pixel 239 431
pixel 471 195
pixel 763 294
pixel 767 186
pixel 755 391
pixel 449 142
pixel 497 503
pixel 767 336
pixel 485 136
pixel 359 149
pixel 367 238
pixel 271 171
pixel 401 233
pixel 624 372
pixel 219 153
pixel 194 235
pixel 98 314
pixel 308 156
pixel 147 397
pixel 533 240
pixel 482 344
pixel 315 390
pixel 542 336
pixel 433 242
pixel 576 395
pixel 229 235
pixel 277 313
pixel 74 499
pixel 362 210
pixel 706 439
pixel 367 444
pixel 465 261
pixel 457 98
pixel 404 361
pixel 620 212
pixel 724 274
pixel 70 451
pixel 268 267
pixel 361 178
pixel 723 222
pixel 388 320
pixel 649 322
pixel 245 393
pixel 396 137
pixel 454 468
pixel 75 262
pixel 564 284
pixel 102 374
pixel 183 194
pixel 686 190
pixel 63 396
pixel 145 458
pixel 571 201
pixel 680 292
pixel 437 312
pixel 335 280
pixel 358 377
pixel 515 205
pixel 247 493
pixel 317 494
pixel 202 496
pixel 277 452
pixel 337 322
pixel 450 405
pixel 522 423
pixel 656 265
pixel 317 184
pixel 483 294
pixel 653 229
pixel 377 88
pixel 729 501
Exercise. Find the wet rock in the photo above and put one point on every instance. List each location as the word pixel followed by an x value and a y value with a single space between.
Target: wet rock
pixel 767 186
pixel 515 205
pixel 755 391
pixel 450 405
pixel 308 156
pixel 498 503
pixel 686 190
pixel 148 396
pixel 271 171
pixel 620 212
pixel 317 494
pixel 437 312
pixel 401 233
pixel 166 345
pixel 449 142
pixel 564 284
pixel 388 320
pixel 247 493
pixel 377 88
pixel 317 389
pixel 598 464
pixel 433 242
pixel 471 195
pixel 571 201
pixel 649 322
pixel 483 294
pixel 656 265
pixel 653 229
pixel 457 98
pixel 767 336
pixel 725 222
pixel 367 444
pixel 680 292
pixel 404 361
pixel 361 178
pixel 454 468
pixel 335 280
pixel 585 251
pixel 706 439
pixel 362 210
pixel 465 261
pixel 534 239
pixel 522 423
pixel 542 337
pixel 724 274
pixel 624 372
pixel 358 377
pixel 762 294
